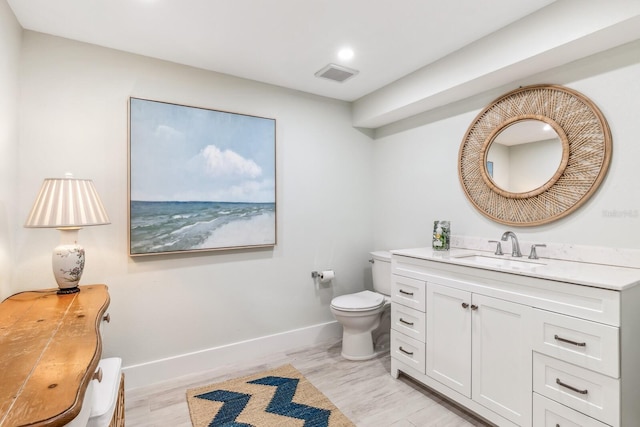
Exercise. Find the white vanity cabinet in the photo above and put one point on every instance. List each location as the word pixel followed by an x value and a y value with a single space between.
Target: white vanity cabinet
pixel 479 346
pixel 518 349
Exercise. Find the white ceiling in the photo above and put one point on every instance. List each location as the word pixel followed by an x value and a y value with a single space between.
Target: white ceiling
pixel 281 42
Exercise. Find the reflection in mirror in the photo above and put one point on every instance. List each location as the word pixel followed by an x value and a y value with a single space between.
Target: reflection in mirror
pixel 524 156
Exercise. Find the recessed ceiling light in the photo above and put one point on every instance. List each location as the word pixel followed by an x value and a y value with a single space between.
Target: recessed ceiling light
pixel 345 53
pixel 546 127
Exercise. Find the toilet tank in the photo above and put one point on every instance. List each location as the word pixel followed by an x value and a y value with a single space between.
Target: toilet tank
pixel 381 272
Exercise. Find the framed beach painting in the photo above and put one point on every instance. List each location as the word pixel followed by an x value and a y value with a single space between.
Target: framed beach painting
pixel 199 179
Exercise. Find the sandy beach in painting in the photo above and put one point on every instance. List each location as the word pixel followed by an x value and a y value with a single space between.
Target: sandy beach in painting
pixel 158 227
pixel 253 231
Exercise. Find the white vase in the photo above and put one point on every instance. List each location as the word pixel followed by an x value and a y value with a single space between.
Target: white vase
pixel 68 262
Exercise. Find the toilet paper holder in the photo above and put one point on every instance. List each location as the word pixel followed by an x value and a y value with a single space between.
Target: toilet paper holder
pixel 319 274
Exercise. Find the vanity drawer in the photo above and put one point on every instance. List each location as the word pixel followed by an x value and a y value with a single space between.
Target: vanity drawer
pixel 408 350
pixel 589 392
pixel 408 292
pixel 588 344
pixel 547 413
pixel 408 321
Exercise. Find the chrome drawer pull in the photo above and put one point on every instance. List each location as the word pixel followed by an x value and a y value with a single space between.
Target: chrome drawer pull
pixel 405 322
pixel 406 293
pixel 579 344
pixel 560 383
pixel 410 353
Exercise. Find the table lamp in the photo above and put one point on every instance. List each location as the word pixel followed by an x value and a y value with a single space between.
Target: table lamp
pixel 67 204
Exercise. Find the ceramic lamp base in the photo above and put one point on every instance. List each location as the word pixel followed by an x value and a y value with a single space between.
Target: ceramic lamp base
pixel 68 262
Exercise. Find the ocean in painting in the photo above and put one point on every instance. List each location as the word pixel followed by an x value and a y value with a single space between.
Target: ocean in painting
pixel 158 227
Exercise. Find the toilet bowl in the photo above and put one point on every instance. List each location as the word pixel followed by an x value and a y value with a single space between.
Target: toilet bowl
pixel 360 313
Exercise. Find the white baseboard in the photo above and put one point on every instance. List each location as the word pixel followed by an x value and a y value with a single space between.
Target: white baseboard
pixel 145 374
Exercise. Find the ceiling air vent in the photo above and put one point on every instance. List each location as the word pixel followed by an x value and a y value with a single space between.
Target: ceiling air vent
pixel 337 73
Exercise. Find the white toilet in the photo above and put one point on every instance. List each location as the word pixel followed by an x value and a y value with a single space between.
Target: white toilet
pixel 360 313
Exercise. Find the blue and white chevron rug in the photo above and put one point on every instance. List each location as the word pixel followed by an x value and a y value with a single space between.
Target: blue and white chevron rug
pixel 282 397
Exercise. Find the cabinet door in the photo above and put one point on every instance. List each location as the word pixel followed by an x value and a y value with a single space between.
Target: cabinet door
pixel 449 337
pixel 502 370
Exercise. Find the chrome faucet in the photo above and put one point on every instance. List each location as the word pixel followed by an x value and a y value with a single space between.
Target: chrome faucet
pixel 515 246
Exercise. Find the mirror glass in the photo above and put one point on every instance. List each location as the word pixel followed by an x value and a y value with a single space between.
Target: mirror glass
pixel 524 156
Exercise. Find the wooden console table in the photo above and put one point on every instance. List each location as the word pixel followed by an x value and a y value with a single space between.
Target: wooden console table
pixel 50 346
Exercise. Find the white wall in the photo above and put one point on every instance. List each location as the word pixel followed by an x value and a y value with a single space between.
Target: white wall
pixel 415 163
pixel 533 164
pixel 10 40
pixel 524 167
pixel 74 118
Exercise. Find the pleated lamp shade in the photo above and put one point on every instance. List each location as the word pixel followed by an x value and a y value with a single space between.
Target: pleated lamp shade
pixel 67 202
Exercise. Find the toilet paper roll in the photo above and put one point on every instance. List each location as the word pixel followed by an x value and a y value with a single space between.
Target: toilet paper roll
pixel 327 276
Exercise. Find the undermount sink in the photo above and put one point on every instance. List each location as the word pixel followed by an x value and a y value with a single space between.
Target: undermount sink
pixel 495 262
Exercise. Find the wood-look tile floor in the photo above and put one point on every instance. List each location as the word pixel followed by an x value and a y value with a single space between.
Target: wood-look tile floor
pixel 364 391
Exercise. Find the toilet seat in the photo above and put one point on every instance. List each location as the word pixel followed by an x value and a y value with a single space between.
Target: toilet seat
pixel 360 301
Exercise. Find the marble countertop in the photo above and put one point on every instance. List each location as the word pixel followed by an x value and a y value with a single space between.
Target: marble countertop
pixel 581 273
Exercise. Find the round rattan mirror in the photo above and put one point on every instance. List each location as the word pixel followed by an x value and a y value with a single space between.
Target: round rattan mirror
pixel 584 160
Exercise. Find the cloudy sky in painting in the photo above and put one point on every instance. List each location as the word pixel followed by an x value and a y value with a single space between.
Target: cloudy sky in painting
pixel 183 153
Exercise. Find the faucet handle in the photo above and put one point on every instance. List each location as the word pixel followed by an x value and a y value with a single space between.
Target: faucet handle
pixel 534 254
pixel 498 247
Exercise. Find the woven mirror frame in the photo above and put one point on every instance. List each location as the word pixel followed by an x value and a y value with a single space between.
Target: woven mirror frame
pixel 586 154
